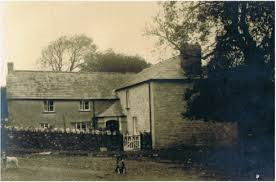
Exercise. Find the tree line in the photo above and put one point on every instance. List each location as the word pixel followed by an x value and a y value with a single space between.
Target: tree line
pixel 79 53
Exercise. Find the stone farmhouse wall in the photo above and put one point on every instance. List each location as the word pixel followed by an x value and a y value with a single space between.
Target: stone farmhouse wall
pixel 138 106
pixel 30 113
pixel 171 129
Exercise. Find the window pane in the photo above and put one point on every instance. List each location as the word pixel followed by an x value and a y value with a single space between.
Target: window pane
pixel 83 126
pixel 48 105
pixel 51 108
pixel 44 125
pixel 86 105
pixel 51 102
pixel 78 126
pixel 51 105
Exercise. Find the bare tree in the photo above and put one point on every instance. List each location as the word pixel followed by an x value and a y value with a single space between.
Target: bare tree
pixel 177 26
pixel 66 53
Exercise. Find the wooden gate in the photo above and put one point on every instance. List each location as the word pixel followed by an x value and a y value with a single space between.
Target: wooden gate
pixel 132 142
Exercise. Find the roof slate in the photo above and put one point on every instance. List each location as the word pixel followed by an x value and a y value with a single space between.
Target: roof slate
pixel 167 69
pixel 114 110
pixel 63 85
pixel 97 85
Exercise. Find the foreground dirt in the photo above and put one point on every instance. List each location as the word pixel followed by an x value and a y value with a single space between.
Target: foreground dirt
pixel 81 168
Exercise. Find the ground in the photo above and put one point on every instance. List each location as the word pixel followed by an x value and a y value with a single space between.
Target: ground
pixel 82 168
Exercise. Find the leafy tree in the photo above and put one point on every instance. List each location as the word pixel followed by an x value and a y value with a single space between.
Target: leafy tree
pixel 109 61
pixel 241 66
pixel 66 53
pixel 237 83
pixel 177 25
pixel 240 59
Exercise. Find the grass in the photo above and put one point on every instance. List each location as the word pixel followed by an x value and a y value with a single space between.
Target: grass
pixel 83 168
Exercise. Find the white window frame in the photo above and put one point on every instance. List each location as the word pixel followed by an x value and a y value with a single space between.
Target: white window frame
pixel 83 104
pixel 79 126
pixel 49 106
pixel 44 125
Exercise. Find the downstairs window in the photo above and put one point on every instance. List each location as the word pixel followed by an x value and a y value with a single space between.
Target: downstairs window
pixel 44 125
pixel 83 126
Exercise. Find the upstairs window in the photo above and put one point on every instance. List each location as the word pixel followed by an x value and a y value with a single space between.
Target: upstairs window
pixel 84 105
pixel 48 106
pixel 44 125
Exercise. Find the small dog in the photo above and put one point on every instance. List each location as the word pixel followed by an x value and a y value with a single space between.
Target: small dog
pixel 258 177
pixel 120 165
pixel 9 161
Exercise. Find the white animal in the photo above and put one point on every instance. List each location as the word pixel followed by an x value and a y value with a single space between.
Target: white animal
pixel 258 177
pixel 10 162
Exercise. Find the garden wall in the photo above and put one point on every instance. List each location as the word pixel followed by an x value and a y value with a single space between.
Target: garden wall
pixel 14 139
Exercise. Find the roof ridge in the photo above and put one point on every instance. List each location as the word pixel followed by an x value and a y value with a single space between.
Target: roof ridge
pixel 165 60
pixel 161 70
pixel 42 71
pixel 161 63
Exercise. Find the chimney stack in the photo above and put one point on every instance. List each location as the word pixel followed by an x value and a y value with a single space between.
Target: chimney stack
pixel 191 60
pixel 10 67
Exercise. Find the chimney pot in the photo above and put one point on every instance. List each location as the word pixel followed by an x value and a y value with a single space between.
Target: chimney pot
pixel 191 60
pixel 10 67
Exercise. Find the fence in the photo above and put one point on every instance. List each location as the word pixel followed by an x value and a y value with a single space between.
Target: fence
pixel 13 139
pixel 132 142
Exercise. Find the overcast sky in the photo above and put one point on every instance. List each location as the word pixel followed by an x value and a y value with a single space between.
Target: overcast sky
pixel 25 28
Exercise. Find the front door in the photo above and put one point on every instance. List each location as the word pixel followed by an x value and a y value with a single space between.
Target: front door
pixel 112 125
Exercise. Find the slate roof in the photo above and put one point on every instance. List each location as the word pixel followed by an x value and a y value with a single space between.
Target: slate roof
pixel 114 110
pixel 167 69
pixel 63 85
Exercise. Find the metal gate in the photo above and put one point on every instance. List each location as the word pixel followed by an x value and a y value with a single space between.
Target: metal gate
pixel 132 142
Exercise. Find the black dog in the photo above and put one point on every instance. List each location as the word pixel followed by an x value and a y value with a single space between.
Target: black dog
pixel 120 165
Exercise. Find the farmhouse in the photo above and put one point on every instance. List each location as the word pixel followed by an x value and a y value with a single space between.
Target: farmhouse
pixel 147 102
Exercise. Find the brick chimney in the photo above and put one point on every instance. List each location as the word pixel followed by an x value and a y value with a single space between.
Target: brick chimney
pixel 191 60
pixel 10 67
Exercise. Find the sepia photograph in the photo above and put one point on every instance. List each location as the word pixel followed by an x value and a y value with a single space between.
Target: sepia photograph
pixel 137 90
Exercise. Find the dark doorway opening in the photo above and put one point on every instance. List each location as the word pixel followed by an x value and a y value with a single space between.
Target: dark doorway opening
pixel 112 125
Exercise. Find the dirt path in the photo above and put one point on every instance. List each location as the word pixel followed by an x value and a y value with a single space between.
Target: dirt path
pixel 96 169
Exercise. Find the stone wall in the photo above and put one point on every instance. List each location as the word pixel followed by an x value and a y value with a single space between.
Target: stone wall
pixel 13 139
pixel 138 106
pixel 170 127
pixel 29 113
